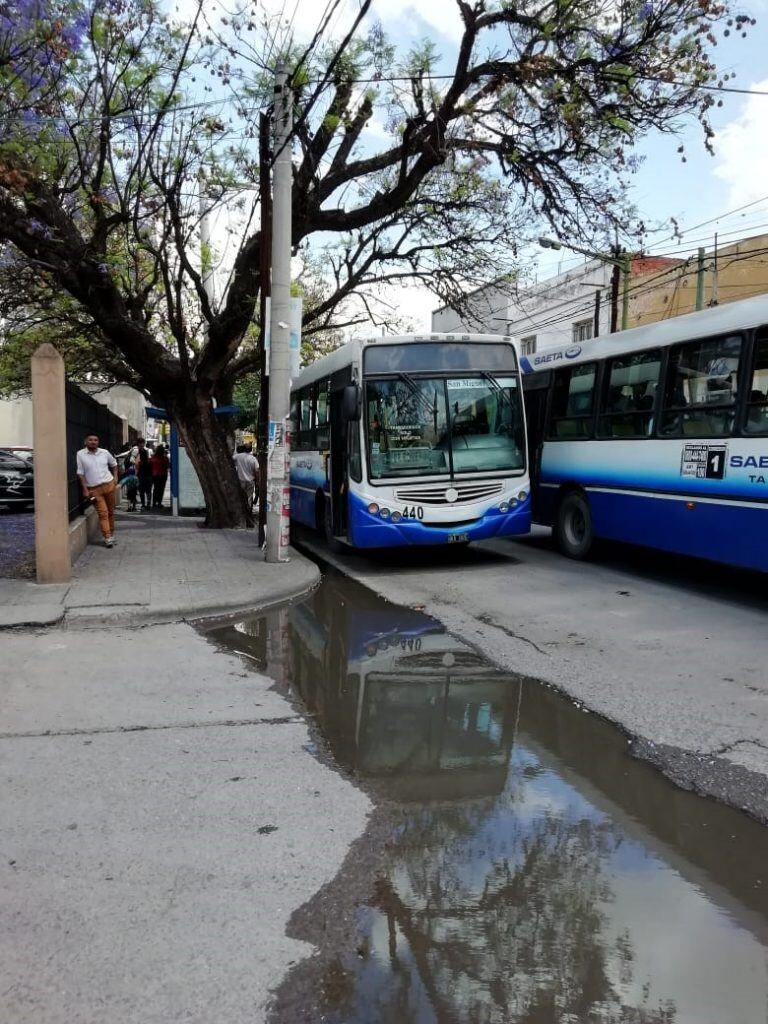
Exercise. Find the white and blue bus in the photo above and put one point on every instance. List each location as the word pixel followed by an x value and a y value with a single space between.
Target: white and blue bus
pixel 657 436
pixel 411 440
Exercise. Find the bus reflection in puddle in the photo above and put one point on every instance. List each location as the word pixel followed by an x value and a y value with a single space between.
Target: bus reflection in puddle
pixel 396 697
pixel 518 865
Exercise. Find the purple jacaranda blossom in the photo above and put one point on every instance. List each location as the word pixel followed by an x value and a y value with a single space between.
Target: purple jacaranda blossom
pixel 36 227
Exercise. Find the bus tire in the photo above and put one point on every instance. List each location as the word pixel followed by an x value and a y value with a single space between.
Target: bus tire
pixel 573 528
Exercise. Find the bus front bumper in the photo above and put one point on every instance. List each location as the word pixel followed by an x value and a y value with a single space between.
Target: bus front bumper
pixel 371 531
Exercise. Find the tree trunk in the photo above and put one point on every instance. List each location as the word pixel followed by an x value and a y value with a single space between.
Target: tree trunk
pixel 209 453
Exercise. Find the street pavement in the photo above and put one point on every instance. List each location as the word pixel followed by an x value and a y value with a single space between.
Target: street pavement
pixel 675 652
pixel 160 569
pixel 163 813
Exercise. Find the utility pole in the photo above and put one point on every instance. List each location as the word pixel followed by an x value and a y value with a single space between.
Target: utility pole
pixel 262 427
pixel 713 300
pixel 700 278
pixel 278 491
pixel 615 273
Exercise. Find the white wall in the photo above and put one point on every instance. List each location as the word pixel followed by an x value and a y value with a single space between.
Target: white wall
pixel 486 313
pixel 124 401
pixel 16 422
pixel 546 311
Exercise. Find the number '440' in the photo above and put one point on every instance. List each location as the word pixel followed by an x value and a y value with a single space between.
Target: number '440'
pixel 413 512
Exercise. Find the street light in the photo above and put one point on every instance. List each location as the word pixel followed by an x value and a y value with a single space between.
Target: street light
pixel 620 264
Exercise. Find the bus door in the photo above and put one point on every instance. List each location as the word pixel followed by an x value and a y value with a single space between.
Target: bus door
pixel 536 387
pixel 337 463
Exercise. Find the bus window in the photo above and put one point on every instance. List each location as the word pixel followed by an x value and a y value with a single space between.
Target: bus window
pixel 700 394
pixel 626 409
pixel 757 399
pixel 304 417
pixel 572 402
pixel 321 416
pixel 355 463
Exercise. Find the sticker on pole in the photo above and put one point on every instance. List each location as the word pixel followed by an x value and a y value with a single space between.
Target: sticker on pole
pixel 294 337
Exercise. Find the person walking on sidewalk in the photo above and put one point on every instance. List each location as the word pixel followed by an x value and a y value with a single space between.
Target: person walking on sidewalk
pixel 159 464
pixel 144 472
pixel 97 473
pixel 247 466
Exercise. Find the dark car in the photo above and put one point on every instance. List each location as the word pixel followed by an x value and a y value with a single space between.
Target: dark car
pixel 17 483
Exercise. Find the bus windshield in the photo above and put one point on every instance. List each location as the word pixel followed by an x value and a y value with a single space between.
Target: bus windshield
pixel 423 426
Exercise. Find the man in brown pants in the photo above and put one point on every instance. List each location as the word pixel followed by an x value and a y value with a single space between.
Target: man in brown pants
pixel 97 473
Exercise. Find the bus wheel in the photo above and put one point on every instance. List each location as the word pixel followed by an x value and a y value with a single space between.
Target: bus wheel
pixel 573 529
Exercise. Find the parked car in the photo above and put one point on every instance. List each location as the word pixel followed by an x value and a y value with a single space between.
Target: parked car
pixel 17 483
pixel 20 451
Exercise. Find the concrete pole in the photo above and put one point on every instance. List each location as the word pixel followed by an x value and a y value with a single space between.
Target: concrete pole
pixel 278 491
pixel 49 421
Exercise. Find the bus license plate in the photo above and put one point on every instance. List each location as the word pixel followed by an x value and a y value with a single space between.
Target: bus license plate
pixel 458 538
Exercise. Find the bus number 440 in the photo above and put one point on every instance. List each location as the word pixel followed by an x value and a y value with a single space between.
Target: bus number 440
pixel 413 512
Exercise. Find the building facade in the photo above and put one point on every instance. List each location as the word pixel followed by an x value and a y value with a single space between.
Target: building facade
pixel 577 305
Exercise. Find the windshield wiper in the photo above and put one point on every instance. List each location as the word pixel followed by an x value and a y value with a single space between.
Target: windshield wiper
pixel 498 390
pixel 416 390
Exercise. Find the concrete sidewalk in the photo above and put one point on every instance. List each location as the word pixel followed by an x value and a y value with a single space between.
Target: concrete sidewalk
pixel 160 570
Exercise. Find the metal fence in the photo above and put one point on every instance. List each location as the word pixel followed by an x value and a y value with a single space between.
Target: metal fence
pixel 87 416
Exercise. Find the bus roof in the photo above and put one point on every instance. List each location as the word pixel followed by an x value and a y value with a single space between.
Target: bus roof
pixel 733 316
pixel 352 351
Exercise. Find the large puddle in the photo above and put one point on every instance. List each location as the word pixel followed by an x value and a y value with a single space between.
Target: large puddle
pixel 519 866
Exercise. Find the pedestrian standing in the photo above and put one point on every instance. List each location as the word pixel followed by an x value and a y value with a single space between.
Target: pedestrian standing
pixel 159 464
pixel 97 473
pixel 130 484
pixel 143 472
pixel 247 466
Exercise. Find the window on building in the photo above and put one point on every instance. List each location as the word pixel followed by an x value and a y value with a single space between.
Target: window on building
pixel 757 399
pixel 701 386
pixel 572 402
pixel 583 330
pixel 629 395
pixel 528 345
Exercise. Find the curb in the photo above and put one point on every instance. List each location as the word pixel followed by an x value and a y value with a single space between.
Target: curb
pixel 31 616
pixel 157 615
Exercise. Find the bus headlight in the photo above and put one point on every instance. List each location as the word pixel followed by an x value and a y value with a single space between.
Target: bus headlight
pixel 504 506
pixel 396 517
pixel 373 508
pixel 522 495
pixel 384 513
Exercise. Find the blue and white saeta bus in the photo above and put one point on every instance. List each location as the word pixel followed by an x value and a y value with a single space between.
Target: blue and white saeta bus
pixel 418 439
pixel 657 436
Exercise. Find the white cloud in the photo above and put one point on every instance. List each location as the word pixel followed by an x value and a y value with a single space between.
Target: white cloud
pixel 741 149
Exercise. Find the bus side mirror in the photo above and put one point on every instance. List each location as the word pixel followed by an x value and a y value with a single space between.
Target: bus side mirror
pixel 351 403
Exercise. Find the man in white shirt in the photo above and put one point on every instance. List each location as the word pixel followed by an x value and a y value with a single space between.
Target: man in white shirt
pixel 97 473
pixel 247 466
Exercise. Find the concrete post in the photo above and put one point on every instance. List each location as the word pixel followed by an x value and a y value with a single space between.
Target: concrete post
pixel 278 491
pixel 50 439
